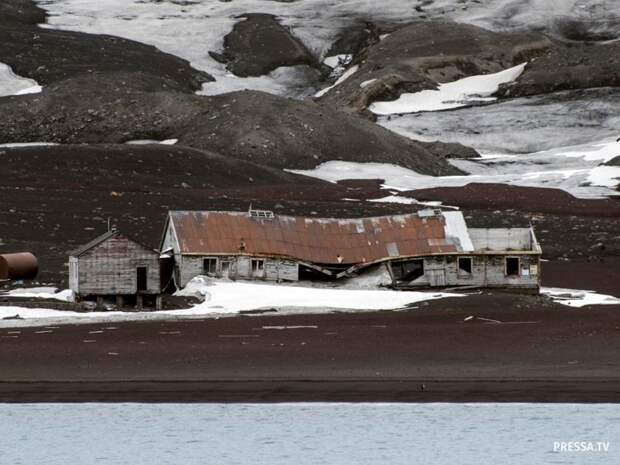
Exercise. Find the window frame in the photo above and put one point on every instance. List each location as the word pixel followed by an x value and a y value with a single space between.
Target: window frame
pixel 259 269
pixel 206 270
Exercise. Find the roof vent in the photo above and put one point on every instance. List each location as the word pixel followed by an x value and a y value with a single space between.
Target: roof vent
pixel 261 214
pixel 429 212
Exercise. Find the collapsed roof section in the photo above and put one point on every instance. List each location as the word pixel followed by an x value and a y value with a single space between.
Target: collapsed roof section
pixel 325 241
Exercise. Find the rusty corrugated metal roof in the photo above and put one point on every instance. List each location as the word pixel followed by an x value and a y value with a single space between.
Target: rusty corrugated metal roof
pixel 314 240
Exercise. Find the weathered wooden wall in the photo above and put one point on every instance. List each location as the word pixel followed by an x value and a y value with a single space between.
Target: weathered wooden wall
pixel 189 266
pixel 487 270
pixel 110 268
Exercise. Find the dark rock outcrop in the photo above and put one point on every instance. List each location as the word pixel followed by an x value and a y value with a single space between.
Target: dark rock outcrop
pixel 247 125
pixel 354 39
pixel 21 11
pixel 568 67
pixel 259 44
pixel 451 150
pixel 50 55
pixel 613 162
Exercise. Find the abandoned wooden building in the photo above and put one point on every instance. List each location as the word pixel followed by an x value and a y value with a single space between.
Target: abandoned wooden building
pixel 429 248
pixel 114 266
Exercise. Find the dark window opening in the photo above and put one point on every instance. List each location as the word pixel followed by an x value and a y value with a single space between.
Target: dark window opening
pixel 209 266
pixel 465 265
pixel 512 266
pixel 141 278
pixel 258 266
pixel 225 267
pixel 408 270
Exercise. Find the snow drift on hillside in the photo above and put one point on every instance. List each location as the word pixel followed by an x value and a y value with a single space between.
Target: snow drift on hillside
pixel 576 170
pixel 468 91
pixel 12 84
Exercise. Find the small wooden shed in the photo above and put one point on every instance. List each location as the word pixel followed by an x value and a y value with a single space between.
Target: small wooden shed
pixel 112 265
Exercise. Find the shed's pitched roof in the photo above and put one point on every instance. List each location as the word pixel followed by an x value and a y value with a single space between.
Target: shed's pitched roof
pixel 101 239
pixel 314 240
pixel 95 242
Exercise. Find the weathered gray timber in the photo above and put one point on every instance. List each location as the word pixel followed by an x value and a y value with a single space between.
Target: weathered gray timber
pixel 114 265
pixel 429 248
pixel 500 258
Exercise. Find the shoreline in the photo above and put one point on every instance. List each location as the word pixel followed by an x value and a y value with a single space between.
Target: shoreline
pixel 278 391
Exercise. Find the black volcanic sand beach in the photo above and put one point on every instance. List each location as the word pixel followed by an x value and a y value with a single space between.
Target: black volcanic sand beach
pixel 534 350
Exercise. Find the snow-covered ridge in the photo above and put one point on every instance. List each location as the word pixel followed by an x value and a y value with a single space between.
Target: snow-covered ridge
pixel 190 29
pixel 12 84
pixel 471 90
pixel 575 169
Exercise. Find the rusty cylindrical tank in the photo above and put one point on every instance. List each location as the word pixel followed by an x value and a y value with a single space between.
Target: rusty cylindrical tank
pixel 15 266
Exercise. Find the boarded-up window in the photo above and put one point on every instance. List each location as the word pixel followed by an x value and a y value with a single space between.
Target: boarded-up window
pixel 225 268
pixel 209 266
pixel 512 266
pixel 465 266
pixel 409 270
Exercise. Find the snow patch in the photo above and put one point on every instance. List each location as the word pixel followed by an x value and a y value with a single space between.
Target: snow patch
pixel 578 298
pixel 152 141
pixel 367 83
pixel 574 169
pixel 12 84
pixel 395 199
pixel 27 144
pixel 607 176
pixel 230 298
pixel 464 92
pixel 347 74
pixel 336 61
pixel 456 229
pixel 198 287
pixel 41 293
pixel 227 297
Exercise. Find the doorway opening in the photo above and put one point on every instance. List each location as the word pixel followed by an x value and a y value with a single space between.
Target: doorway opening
pixel 141 278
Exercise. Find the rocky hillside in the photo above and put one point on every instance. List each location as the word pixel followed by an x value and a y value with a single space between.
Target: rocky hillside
pixel 423 55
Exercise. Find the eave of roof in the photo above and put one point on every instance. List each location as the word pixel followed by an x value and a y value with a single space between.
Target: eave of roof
pixel 95 242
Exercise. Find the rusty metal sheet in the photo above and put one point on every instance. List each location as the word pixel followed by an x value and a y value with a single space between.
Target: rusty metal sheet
pixel 315 240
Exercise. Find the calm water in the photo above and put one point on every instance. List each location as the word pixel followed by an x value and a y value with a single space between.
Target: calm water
pixel 300 434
